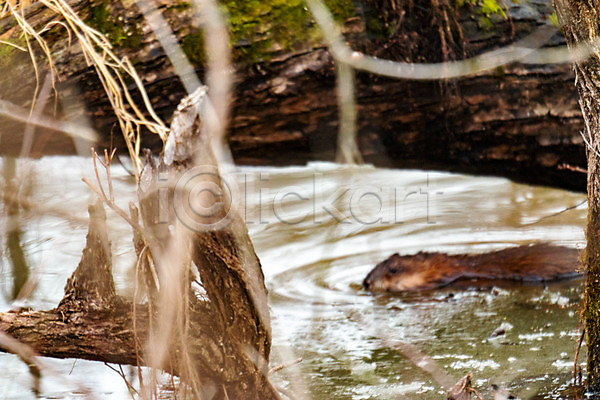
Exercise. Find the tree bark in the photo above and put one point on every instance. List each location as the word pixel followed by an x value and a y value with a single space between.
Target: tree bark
pixel 520 121
pixel 581 24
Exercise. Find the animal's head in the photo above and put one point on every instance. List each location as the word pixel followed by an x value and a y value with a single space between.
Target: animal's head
pixel 396 274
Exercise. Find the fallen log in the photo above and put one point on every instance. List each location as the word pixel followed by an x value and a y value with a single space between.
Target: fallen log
pixel 519 121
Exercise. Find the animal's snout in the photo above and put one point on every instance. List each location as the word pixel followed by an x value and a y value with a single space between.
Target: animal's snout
pixel 367 282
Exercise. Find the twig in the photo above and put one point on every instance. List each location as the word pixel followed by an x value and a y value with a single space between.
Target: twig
pixel 94 156
pixel 27 355
pixel 577 354
pixel 167 39
pixel 108 176
pixel 132 390
pixel 556 213
pixel 12 111
pixel 347 145
pixel 285 392
pixel 573 168
pixel 476 393
pixel 282 366
pixel 116 208
pixel 412 353
pixel 109 201
pixel 13 45
pixel 134 321
pixel 218 79
pixel 36 111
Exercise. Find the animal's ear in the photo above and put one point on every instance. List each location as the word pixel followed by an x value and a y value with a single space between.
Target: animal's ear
pixel 393 258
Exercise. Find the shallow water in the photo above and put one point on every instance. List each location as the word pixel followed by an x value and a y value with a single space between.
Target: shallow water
pixel 318 230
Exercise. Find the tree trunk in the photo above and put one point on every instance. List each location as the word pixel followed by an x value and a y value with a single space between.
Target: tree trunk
pixel 581 24
pixel 519 121
pixel 218 342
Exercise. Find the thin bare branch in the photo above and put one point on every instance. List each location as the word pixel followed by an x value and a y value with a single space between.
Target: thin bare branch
pixel 98 53
pixel 183 68
pixel 12 111
pixel 34 363
pixel 37 111
pixel 526 50
pixel 282 366
pixel 347 150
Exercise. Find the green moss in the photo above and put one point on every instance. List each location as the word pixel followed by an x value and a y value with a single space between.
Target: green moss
pixel 499 72
pixel 193 47
pixel 8 52
pixel 374 26
pixel 491 7
pixel 485 10
pixel 341 9
pixel 120 33
pixel 259 27
pixel 553 19
pixel 181 6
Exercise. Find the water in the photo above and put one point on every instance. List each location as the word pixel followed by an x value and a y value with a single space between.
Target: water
pixel 318 230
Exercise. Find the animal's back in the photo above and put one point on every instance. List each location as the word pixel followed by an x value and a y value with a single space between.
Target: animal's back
pixel 536 263
pixel 540 262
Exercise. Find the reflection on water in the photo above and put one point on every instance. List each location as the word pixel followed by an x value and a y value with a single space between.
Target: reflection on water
pixel 318 230
pixel 15 253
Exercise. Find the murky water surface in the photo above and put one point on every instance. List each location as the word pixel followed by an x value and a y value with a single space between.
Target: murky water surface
pixel 318 230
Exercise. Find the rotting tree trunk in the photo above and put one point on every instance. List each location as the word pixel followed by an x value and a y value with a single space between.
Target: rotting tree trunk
pixel 91 286
pixel 223 255
pixel 222 338
pixel 581 24
pixel 520 121
pixel 91 322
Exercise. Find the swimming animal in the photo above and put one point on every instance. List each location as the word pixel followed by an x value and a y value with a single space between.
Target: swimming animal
pixel 425 271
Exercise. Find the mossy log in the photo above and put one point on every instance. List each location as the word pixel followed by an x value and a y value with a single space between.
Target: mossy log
pixel 519 121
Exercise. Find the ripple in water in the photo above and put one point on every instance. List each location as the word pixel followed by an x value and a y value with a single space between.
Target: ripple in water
pixel 318 230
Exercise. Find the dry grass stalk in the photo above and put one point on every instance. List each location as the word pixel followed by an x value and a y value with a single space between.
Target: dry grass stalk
pixel 98 53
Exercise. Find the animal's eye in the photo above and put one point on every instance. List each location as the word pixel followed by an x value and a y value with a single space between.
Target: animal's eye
pixel 394 270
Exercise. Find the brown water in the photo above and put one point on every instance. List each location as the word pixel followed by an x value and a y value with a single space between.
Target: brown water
pixel 319 230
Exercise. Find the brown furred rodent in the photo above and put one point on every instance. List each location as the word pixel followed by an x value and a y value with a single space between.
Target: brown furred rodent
pixel 425 271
